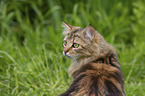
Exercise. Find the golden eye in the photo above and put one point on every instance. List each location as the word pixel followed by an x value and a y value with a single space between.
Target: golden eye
pixel 65 43
pixel 76 45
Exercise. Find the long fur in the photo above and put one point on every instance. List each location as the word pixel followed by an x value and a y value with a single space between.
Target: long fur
pixel 100 77
pixel 95 68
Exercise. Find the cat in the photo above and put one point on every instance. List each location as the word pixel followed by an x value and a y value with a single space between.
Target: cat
pixel 95 68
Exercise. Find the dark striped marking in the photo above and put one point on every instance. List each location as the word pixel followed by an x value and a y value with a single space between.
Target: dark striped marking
pixel 72 33
pixel 110 59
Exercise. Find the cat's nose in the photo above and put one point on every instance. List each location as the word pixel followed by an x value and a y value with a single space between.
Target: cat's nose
pixel 64 52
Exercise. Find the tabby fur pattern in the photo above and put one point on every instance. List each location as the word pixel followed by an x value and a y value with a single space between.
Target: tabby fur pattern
pixel 95 68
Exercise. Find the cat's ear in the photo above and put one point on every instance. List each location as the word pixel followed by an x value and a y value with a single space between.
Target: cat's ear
pixel 67 27
pixel 89 32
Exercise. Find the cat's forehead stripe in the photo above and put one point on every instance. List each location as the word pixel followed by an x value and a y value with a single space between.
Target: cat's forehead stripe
pixel 72 33
pixel 79 37
pixel 77 30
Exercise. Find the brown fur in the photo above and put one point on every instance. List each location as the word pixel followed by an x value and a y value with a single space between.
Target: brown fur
pixel 95 67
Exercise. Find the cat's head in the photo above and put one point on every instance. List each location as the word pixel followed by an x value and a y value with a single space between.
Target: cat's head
pixel 81 42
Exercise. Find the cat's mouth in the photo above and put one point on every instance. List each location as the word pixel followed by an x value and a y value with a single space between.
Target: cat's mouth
pixel 68 55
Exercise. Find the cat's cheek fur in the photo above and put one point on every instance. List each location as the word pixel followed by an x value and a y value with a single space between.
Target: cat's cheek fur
pixel 78 53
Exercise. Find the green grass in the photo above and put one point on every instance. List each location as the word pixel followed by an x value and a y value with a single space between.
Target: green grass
pixel 31 60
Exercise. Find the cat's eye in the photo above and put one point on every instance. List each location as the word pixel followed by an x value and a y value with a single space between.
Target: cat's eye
pixel 75 45
pixel 65 43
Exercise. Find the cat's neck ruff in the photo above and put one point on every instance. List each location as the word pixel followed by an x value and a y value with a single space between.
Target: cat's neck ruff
pixel 78 63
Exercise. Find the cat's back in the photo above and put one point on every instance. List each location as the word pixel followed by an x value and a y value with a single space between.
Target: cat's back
pixel 97 80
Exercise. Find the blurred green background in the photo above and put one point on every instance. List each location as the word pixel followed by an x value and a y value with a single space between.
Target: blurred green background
pixel 31 60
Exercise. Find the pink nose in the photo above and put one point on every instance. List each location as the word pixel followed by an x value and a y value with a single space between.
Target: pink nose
pixel 65 51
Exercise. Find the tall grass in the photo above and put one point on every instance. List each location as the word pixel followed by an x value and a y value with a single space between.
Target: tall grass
pixel 31 60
